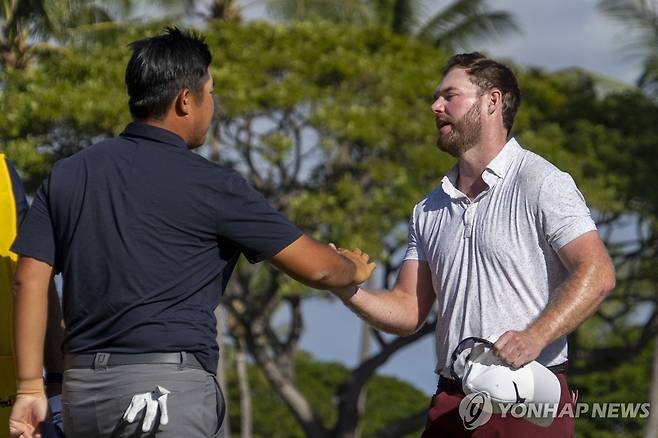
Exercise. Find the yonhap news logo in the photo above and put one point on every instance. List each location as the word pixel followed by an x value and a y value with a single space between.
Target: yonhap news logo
pixel 476 409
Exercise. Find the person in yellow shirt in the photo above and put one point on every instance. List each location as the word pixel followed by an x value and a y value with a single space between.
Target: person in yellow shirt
pixel 13 207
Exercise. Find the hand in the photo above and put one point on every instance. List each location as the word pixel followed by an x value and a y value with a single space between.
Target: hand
pixel 27 413
pixel 364 267
pixel 518 348
pixel 150 400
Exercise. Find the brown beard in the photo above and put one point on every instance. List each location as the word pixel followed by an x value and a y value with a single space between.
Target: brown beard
pixel 465 133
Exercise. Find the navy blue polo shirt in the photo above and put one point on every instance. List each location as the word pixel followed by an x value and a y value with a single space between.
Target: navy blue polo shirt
pixel 146 234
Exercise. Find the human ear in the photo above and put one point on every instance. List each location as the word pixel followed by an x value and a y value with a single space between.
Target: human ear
pixel 495 100
pixel 183 103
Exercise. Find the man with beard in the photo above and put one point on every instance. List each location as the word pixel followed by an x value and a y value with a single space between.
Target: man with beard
pixel 505 246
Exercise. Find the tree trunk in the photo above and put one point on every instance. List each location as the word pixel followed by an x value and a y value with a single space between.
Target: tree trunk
pixel 245 389
pixel 221 368
pixel 651 430
pixel 364 352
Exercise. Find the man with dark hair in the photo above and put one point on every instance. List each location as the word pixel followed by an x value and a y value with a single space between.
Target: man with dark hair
pixel 505 247
pixel 146 235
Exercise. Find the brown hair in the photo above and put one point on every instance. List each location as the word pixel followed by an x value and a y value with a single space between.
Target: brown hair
pixel 487 74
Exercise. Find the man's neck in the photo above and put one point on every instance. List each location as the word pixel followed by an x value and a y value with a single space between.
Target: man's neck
pixel 169 125
pixel 471 164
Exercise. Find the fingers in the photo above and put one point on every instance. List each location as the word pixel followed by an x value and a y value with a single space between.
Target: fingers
pixel 516 348
pixel 506 347
pixel 499 345
pixel 164 414
pixel 151 401
pixel 20 429
pixel 136 405
pixel 149 416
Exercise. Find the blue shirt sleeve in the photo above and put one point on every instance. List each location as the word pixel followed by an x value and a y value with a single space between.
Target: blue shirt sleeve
pixel 36 237
pixel 247 219
pixel 19 193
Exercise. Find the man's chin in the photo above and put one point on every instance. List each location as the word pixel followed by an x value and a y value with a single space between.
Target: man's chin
pixel 448 147
pixel 197 143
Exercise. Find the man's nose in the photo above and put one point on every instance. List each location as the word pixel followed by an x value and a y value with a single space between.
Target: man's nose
pixel 438 106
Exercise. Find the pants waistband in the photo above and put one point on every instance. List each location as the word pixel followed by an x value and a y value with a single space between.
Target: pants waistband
pixel 105 360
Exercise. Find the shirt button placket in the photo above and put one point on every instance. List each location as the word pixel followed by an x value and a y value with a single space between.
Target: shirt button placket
pixel 469 214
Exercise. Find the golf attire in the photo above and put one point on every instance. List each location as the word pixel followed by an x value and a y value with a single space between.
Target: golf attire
pixel 494 260
pixel 146 234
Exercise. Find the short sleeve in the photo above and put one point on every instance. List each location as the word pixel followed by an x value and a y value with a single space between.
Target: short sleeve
pixel 563 213
pixel 415 250
pixel 36 236
pixel 246 218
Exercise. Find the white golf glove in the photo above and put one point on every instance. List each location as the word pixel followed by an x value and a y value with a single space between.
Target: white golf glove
pixel 150 400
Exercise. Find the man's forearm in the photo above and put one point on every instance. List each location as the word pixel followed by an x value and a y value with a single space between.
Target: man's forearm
pixel 575 301
pixel 341 274
pixel 30 314
pixel 388 311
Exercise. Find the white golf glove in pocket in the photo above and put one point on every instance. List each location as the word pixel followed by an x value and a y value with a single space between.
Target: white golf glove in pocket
pixel 151 401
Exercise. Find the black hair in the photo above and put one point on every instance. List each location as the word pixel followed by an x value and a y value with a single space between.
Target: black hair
pixel 487 74
pixel 161 66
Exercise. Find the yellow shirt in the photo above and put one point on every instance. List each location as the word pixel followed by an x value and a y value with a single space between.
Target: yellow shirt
pixel 7 266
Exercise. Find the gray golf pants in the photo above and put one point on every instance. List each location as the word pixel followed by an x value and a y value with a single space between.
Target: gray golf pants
pixel 94 400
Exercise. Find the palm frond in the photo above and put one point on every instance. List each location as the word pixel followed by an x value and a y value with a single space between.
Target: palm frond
pixel 464 21
pixel 641 18
pixel 448 17
pixel 639 15
pixel 649 78
pixel 35 15
pixel 404 16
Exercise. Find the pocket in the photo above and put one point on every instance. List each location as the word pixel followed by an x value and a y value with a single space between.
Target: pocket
pixel 221 406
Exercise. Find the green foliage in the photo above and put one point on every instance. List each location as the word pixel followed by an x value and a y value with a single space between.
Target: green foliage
pixel 333 124
pixel 628 383
pixel 387 399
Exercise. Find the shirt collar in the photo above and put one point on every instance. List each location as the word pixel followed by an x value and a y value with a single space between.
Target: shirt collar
pixel 153 133
pixel 495 170
pixel 501 163
pixel 449 183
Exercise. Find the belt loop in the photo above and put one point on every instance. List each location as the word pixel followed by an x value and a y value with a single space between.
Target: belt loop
pixel 100 361
pixel 183 360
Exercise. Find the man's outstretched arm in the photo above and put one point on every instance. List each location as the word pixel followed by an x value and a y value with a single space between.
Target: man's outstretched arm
pixel 30 315
pixel 320 266
pixel 403 309
pixel 591 278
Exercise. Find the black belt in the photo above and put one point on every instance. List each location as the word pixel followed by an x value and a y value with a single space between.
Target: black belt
pixel 453 385
pixel 105 360
pixel 560 368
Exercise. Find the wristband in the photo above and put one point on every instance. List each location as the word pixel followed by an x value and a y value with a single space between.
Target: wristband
pixel 31 387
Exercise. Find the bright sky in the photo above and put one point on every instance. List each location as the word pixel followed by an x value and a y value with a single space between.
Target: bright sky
pixel 556 34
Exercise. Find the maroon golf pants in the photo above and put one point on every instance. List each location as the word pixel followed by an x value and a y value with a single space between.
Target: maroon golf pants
pixel 443 419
